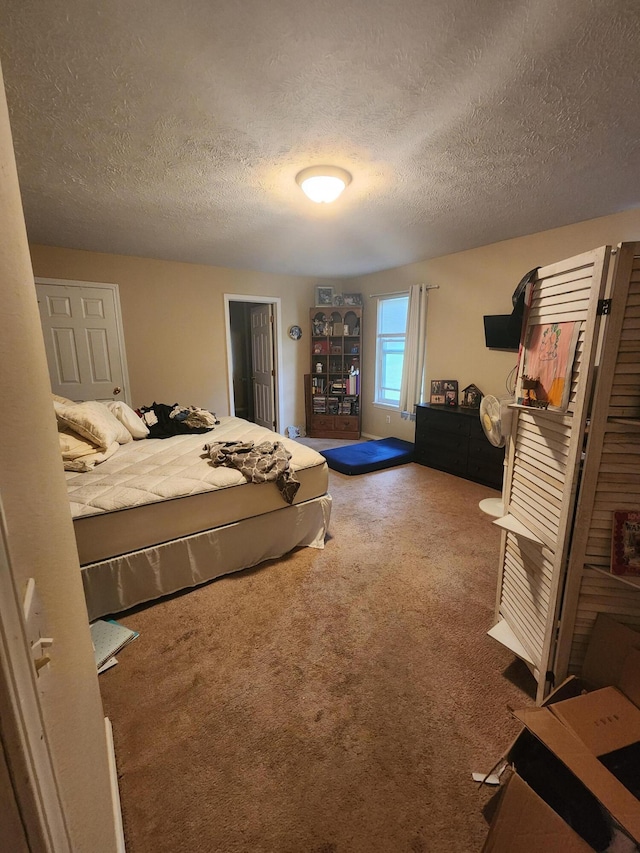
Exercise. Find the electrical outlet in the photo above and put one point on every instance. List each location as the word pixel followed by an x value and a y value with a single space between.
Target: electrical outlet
pixel 388 419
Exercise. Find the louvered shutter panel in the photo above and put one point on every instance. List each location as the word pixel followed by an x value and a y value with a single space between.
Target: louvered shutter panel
pixel 611 479
pixel 544 466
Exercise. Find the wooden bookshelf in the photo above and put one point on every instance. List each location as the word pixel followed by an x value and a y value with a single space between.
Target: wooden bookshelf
pixel 332 386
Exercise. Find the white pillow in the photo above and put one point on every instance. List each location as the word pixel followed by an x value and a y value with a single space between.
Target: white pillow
pixel 65 400
pixel 93 421
pixel 126 415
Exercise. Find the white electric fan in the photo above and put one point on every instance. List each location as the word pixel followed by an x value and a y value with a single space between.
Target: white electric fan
pixel 496 417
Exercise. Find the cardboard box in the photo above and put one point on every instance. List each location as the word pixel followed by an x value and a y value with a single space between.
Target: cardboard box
pixel 569 749
pixel 524 823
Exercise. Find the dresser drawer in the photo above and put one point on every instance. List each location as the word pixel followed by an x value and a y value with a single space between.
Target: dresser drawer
pixel 334 426
pixel 487 472
pixel 445 421
pixel 476 431
pixel 481 448
pixel 319 422
pixel 439 440
pixel 346 423
pixel 486 462
pixel 452 460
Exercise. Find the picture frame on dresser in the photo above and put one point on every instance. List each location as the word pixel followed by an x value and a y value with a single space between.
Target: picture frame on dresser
pixel 471 397
pixel 444 392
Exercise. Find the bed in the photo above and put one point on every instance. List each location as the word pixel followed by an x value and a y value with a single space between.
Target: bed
pixel 156 516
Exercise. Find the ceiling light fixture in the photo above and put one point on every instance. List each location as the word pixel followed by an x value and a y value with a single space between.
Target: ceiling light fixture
pixel 323 183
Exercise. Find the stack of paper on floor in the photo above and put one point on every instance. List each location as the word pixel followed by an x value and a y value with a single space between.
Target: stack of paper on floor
pixel 108 638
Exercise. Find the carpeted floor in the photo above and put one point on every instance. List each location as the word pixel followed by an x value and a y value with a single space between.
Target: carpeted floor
pixel 333 701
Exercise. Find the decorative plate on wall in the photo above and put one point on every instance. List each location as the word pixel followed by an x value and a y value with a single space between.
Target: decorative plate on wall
pixel 295 333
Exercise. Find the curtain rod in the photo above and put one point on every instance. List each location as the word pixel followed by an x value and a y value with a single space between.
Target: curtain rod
pixel 402 292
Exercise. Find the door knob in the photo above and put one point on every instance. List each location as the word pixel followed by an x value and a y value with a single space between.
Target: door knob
pixel 117 389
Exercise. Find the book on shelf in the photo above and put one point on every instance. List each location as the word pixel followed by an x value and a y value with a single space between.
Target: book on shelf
pixel 625 543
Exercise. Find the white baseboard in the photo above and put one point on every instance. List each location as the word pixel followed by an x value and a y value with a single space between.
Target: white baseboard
pixel 115 792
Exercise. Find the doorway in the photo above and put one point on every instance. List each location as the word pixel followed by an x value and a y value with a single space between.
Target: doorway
pixel 254 358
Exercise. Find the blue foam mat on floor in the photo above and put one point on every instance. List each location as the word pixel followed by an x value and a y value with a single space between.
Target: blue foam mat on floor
pixel 369 455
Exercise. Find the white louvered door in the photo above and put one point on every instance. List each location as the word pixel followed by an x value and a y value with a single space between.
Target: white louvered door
pixel 544 466
pixel 611 479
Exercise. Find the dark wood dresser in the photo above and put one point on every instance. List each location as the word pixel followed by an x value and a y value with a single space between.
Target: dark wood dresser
pixel 451 439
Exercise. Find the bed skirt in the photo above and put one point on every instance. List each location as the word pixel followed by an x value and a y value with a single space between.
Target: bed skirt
pixel 122 582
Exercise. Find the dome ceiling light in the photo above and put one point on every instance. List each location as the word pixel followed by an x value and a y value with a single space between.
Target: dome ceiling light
pixel 323 183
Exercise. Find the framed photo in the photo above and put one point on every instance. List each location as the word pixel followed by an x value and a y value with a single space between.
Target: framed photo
pixel 324 295
pixel 471 396
pixel 444 392
pixel 436 397
pixel 625 543
pixel 354 299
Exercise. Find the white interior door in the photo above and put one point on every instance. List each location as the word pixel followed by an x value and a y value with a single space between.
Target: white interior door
pixel 262 359
pixel 83 340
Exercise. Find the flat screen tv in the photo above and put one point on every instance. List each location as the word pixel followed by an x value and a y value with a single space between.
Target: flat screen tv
pixel 502 331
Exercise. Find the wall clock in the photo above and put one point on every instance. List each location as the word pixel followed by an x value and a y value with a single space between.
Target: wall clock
pixel 295 333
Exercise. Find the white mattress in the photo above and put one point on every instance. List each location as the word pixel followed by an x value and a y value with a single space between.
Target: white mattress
pixel 156 490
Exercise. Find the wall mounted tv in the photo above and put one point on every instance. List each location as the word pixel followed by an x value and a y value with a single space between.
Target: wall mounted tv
pixel 502 331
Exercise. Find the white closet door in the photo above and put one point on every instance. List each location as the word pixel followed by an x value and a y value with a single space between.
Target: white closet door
pixel 544 464
pixel 83 339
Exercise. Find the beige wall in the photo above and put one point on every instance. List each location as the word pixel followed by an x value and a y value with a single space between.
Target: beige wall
pixel 471 284
pixel 173 315
pixel 39 534
pixel 174 324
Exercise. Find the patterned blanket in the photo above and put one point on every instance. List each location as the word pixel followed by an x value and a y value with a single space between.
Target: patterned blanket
pixel 260 463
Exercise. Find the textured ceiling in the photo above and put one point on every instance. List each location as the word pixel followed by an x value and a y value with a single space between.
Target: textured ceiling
pixel 174 128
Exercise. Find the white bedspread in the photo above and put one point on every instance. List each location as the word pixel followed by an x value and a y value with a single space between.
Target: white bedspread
pixel 151 470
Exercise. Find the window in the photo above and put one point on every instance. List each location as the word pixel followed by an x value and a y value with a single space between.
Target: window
pixel 390 341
